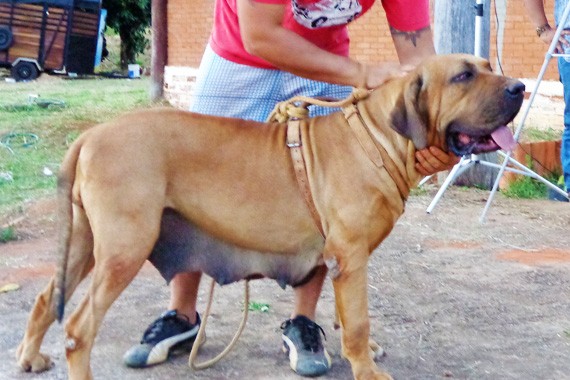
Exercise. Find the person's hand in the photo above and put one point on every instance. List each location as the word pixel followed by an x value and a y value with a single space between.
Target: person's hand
pixel 548 35
pixel 375 75
pixel 432 160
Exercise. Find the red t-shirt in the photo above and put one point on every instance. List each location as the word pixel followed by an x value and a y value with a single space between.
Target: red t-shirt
pixel 323 22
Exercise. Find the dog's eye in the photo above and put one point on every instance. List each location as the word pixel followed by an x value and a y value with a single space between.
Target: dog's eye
pixel 464 76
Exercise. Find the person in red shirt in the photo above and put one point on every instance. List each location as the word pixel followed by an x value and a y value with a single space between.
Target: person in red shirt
pixel 262 52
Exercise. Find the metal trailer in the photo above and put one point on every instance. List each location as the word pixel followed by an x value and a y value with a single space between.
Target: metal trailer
pixel 52 36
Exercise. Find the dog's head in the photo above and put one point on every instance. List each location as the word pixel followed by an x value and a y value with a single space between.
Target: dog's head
pixel 457 103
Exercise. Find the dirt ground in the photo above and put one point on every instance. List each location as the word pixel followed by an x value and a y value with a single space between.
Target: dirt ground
pixel 449 298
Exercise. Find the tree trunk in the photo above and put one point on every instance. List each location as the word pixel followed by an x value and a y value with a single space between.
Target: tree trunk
pixel 454 32
pixel 127 51
pixel 159 51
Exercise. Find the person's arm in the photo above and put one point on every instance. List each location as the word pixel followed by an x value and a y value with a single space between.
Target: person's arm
pixel 264 36
pixel 536 14
pixel 412 47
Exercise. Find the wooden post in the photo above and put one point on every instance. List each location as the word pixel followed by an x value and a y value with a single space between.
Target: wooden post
pixel 159 48
pixel 454 27
pixel 454 32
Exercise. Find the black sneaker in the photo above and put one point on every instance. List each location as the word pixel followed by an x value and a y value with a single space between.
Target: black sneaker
pixel 302 342
pixel 171 333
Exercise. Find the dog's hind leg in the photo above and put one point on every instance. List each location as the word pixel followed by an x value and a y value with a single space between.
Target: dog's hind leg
pixel 122 244
pixel 43 313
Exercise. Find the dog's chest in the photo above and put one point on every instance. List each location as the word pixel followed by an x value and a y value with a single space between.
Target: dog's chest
pixel 182 247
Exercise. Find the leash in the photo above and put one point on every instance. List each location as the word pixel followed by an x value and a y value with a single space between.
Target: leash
pixel 296 107
pixel 201 337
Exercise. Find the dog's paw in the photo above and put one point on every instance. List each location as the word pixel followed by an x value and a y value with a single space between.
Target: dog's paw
pixel 376 351
pixel 382 376
pixel 33 363
pixel 373 375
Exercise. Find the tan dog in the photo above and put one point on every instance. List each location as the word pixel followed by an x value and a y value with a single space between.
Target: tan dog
pixel 229 186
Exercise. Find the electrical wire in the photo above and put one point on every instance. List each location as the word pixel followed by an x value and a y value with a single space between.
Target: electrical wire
pixel 534 160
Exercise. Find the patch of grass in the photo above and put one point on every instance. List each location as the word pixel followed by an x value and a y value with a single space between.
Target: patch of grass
pixel 7 234
pixel 258 306
pixel 535 134
pixel 418 191
pixel 28 164
pixel 526 188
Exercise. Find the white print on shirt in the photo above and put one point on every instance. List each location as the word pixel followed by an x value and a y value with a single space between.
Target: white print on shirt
pixel 323 13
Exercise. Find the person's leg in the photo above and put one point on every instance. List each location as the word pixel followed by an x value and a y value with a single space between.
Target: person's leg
pixel 301 336
pixel 184 294
pixel 307 295
pixel 175 330
pixel 564 70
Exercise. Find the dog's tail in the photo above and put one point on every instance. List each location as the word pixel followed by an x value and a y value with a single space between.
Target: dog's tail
pixel 65 180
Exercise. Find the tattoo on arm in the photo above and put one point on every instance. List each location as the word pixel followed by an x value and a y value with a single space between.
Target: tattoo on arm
pixel 411 35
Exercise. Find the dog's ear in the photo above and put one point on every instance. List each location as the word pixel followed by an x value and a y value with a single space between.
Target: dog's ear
pixel 409 117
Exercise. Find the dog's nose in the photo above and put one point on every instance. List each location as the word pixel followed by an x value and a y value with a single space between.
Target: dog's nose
pixel 515 89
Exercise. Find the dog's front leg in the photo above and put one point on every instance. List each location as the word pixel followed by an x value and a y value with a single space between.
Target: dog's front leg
pixel 350 286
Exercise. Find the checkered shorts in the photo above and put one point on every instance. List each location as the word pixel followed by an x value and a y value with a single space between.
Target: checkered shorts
pixel 225 88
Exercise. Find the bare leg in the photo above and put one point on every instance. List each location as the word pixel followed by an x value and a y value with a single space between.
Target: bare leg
pixel 184 293
pixel 307 296
pixel 301 335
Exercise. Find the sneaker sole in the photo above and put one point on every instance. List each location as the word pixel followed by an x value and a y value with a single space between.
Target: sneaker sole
pixel 159 353
pixel 291 351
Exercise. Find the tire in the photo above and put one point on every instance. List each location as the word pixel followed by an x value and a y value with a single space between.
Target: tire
pixel 6 37
pixel 25 71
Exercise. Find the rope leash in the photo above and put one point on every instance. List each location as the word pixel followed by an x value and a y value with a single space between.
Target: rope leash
pixel 200 338
pixel 297 107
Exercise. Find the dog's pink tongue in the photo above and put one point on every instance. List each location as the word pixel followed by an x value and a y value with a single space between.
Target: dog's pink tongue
pixel 504 138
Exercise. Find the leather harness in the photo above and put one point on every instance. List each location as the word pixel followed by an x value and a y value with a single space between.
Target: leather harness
pixel 375 151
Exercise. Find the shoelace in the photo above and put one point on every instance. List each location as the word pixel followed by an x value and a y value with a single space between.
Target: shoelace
pixel 152 331
pixel 310 334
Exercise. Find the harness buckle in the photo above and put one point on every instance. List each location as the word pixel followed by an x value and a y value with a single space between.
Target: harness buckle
pixel 294 144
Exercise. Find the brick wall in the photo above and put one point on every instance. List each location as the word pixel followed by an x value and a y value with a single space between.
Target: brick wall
pixel 522 52
pixel 189 25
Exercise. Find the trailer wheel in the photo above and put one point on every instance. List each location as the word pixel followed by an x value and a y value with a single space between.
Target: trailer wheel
pixel 25 70
pixel 5 37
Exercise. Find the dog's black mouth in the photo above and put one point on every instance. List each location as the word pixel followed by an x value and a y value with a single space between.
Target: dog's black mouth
pixel 463 143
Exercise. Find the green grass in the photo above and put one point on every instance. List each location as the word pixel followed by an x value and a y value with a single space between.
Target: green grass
pixel 86 102
pixel 7 234
pixel 535 134
pixel 526 188
pixel 529 188
pixel 259 307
